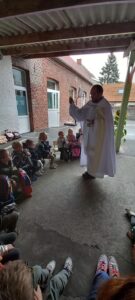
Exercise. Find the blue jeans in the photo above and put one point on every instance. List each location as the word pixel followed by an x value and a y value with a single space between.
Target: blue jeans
pixel 100 277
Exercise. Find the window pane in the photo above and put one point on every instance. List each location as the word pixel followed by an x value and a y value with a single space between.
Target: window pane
pixel 54 104
pixel 21 103
pixel 19 77
pixel 50 103
pixel 56 101
pixel 51 84
pixel 120 91
pixel 72 92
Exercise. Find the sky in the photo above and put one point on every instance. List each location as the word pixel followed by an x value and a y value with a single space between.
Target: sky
pixel 94 63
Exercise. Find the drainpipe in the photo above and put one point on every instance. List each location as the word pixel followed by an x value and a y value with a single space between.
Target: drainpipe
pixel 124 105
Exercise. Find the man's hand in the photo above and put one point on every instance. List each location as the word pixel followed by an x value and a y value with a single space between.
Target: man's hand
pixel 71 100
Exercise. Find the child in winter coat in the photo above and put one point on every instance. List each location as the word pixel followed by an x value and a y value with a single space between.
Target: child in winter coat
pixel 44 150
pixel 61 141
pixel 19 179
pixel 22 159
pixel 38 165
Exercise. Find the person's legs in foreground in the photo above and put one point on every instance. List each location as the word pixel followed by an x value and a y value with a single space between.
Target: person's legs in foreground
pixel 59 281
pixel 13 254
pixel 87 175
pixel 101 275
pixel 7 238
pixel 9 221
pixel 41 276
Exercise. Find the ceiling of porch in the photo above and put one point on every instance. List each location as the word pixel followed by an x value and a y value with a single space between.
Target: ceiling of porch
pixel 39 28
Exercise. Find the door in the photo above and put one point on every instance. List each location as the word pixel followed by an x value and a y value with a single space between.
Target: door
pixel 53 107
pixel 22 108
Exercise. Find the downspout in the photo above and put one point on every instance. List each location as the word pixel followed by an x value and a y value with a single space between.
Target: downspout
pixel 124 105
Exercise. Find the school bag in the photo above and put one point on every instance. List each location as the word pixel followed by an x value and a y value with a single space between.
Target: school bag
pixel 7 200
pixel 25 183
pixel 76 151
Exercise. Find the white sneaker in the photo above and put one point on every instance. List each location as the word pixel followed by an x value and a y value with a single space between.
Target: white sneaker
pixel 68 264
pixel 38 173
pixel 53 166
pixel 51 266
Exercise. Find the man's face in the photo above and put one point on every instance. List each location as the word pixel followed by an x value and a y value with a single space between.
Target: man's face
pixel 95 95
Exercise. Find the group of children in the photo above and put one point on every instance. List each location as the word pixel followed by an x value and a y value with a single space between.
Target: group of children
pixel 27 161
pixel 69 146
pixel 24 165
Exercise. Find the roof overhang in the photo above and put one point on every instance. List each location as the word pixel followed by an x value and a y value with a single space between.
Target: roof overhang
pixel 39 28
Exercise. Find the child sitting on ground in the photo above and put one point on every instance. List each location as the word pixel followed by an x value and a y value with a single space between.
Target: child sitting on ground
pixel 19 179
pixel 30 282
pixel 61 141
pixel 37 164
pixel 22 159
pixel 79 135
pixel 70 137
pixel 8 213
pixel 43 149
pixel 73 145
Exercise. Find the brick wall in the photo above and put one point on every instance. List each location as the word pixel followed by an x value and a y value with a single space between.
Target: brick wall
pixel 40 70
pixel 66 80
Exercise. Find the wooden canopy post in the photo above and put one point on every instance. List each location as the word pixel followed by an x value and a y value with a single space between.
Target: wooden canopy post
pixel 124 105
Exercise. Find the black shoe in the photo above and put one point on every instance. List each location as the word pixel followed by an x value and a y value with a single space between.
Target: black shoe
pixel 86 175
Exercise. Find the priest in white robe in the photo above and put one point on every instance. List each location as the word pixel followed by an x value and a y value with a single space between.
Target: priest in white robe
pixel 97 148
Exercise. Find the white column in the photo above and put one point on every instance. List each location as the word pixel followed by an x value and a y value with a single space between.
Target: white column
pixel 8 107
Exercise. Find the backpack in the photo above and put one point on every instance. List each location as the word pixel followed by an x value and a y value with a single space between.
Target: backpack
pixel 6 196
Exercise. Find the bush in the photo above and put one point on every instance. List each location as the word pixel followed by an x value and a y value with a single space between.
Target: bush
pixel 116 121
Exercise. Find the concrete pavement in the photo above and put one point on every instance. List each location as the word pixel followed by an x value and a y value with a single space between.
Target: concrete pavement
pixel 83 219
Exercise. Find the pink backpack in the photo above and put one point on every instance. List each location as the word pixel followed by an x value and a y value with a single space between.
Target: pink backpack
pixel 76 151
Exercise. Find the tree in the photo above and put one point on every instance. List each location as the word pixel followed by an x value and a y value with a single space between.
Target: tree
pixel 110 73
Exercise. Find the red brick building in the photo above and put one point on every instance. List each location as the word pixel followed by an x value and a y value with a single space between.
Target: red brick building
pixel 114 93
pixel 49 82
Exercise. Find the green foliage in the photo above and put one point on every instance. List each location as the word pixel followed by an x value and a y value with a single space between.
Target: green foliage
pixel 116 121
pixel 110 73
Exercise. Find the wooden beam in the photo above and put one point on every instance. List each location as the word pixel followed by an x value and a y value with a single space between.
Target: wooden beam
pixel 10 8
pixel 72 52
pixel 64 34
pixel 76 46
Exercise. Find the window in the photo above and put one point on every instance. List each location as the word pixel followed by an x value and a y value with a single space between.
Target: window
pixel 19 77
pixel 72 93
pixel 84 95
pixel 53 94
pixel 21 102
pixel 52 84
pixel 120 91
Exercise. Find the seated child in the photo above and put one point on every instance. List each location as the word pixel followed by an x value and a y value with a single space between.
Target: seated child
pixel 19 281
pixel 8 213
pixel 73 145
pixel 22 159
pixel 38 165
pixel 19 179
pixel 61 142
pixel 43 149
